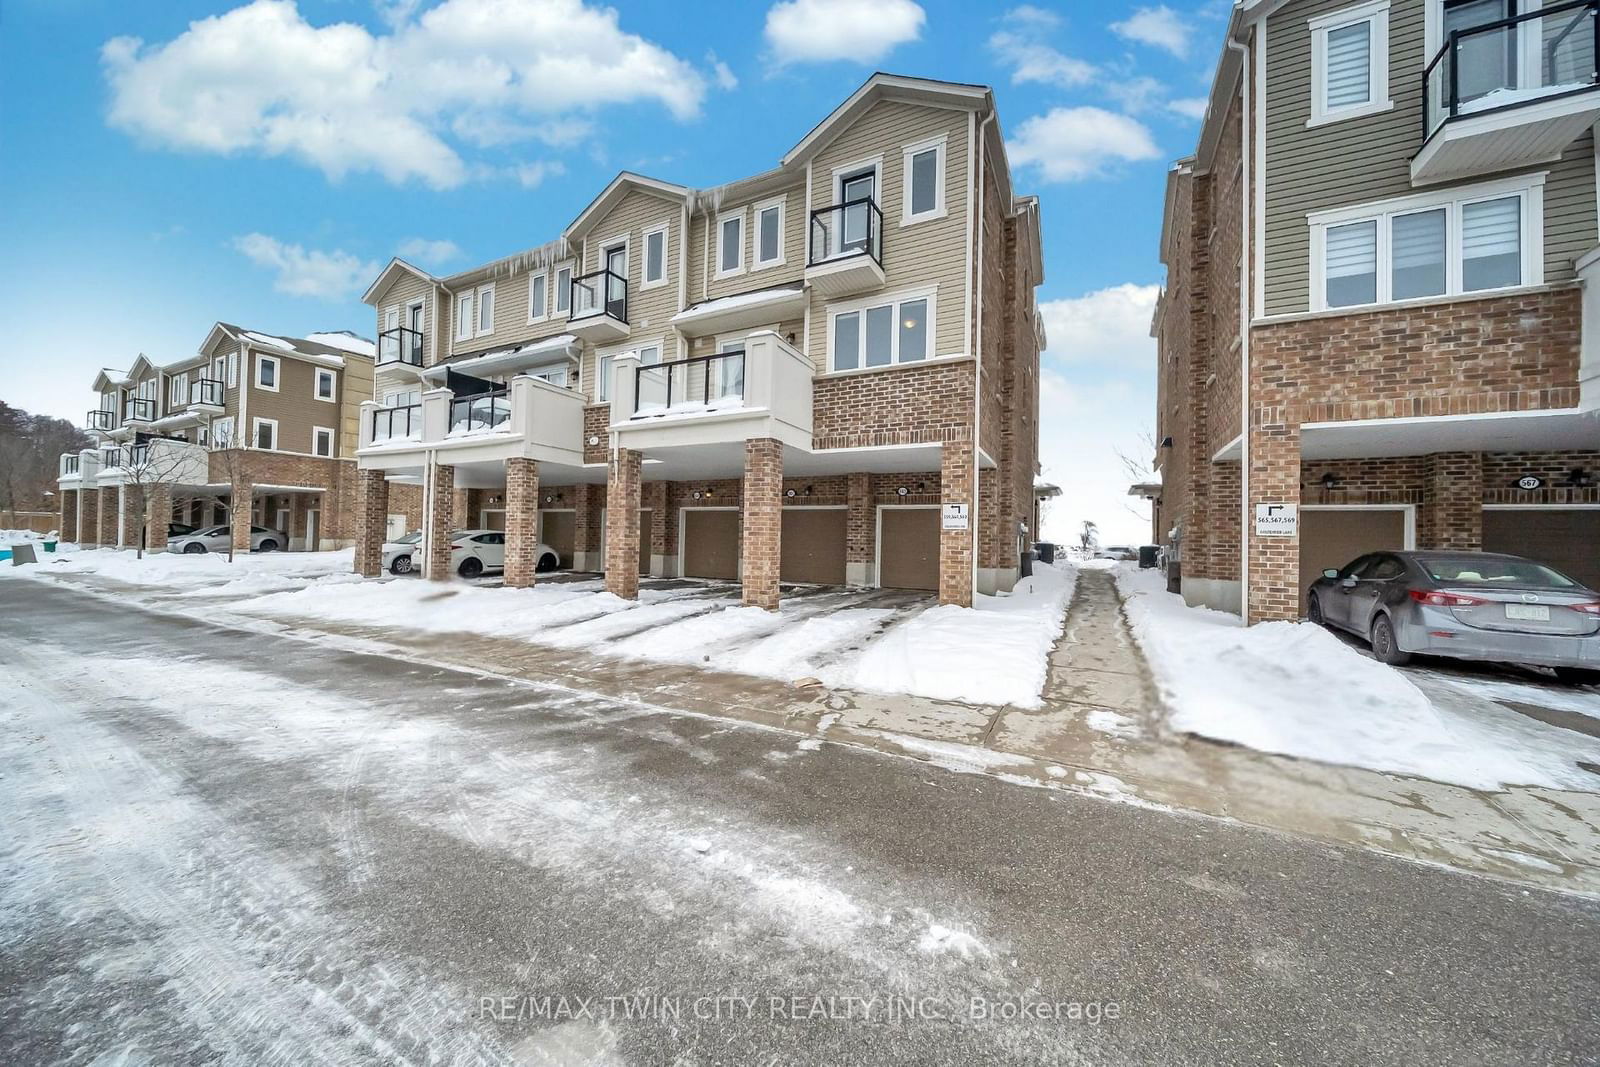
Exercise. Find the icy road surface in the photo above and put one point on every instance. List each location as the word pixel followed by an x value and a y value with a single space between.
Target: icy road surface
pixel 226 846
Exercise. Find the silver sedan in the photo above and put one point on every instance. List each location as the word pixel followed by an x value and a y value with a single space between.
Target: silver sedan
pixel 1465 605
pixel 217 538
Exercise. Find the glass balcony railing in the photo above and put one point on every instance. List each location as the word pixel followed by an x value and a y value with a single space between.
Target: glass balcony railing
pixel 401 345
pixel 600 293
pixel 853 228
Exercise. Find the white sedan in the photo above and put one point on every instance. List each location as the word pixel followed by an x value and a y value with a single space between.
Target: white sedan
pixel 472 552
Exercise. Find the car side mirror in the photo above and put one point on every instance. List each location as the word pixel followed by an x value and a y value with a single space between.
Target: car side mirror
pixel 1330 573
pixel 1348 583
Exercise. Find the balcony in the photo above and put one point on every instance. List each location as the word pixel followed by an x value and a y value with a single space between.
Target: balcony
pixel 101 420
pixel 1509 93
pixel 401 347
pixel 599 307
pixel 529 418
pixel 402 422
pixel 138 409
pixel 207 393
pixel 846 248
pixel 154 459
pixel 70 468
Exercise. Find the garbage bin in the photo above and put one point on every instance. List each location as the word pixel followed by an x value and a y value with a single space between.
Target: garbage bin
pixel 1044 551
pixel 1148 555
pixel 1027 563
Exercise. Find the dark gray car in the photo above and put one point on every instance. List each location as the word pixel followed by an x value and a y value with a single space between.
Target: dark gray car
pixel 1467 605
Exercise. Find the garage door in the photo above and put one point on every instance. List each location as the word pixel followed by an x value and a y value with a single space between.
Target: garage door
pixel 908 548
pixel 812 546
pixel 1566 539
pixel 558 529
pixel 1334 538
pixel 710 544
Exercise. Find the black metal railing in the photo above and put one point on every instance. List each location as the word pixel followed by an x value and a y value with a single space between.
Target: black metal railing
pixel 401 345
pixel 110 457
pixel 600 293
pixel 69 464
pixel 138 455
pixel 1484 68
pixel 699 380
pixel 853 228
pixel 101 419
pixel 138 409
pixel 396 423
pixel 482 411
pixel 206 391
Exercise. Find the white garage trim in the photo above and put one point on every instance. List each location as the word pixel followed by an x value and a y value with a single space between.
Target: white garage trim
pixel 682 513
pixel 877 535
pixel 1410 511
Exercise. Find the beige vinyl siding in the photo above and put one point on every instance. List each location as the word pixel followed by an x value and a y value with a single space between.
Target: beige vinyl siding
pixel 407 288
pixel 294 405
pixel 1365 159
pixel 703 282
pixel 355 388
pixel 925 253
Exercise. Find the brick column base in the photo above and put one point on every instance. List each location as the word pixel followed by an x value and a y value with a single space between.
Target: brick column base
pixel 157 517
pixel 130 529
pixel 105 519
pixel 87 533
pixel 1274 586
pixel 522 521
pixel 439 522
pixel 956 486
pixel 655 498
pixel 761 526
pixel 68 522
pixel 372 520
pixel 240 506
pixel 622 524
pixel 859 530
pixel 1454 519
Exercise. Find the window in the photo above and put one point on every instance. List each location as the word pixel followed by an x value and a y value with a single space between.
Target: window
pixel 655 258
pixel 265 433
pixel 649 355
pixel 769 234
pixel 1350 63
pixel 233 369
pixel 1464 240
pixel 880 335
pixel 464 317
pixel 923 197
pixel 326 385
pixel 402 398
pixel 538 306
pixel 553 375
pixel 201 435
pixel 321 441
pixel 563 290
pixel 178 390
pixel 485 309
pixel 267 373
pixel 730 244
pixel 222 432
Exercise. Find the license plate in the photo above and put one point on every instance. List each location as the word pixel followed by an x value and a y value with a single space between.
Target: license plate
pixel 1531 612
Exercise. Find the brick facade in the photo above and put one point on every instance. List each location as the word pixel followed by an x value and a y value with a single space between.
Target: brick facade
pixel 89 518
pixel 622 524
pixel 912 404
pixel 440 522
pixel 372 520
pixel 68 527
pixel 158 514
pixel 522 521
pixel 956 477
pixel 761 526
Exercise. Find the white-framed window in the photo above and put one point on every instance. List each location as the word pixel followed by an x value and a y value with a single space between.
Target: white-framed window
pixel 555 375
pixel 464 316
pixel 768 243
pixel 563 293
pixel 655 257
pixel 222 432
pixel 178 389
pixel 327 386
pixel 538 297
pixel 268 370
pixel 1350 63
pixel 730 244
pixel 321 441
pixel 1469 239
pixel 399 398
pixel 264 433
pixel 218 369
pixel 485 309
pixel 649 353
pixel 923 196
pixel 202 434
pixel 881 331
pixel 233 369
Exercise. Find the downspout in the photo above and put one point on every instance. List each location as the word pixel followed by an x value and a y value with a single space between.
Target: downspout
pixel 977 363
pixel 1244 330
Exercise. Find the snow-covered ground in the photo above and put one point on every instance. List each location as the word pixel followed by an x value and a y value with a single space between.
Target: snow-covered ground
pixel 208 574
pixel 12 537
pixel 1296 689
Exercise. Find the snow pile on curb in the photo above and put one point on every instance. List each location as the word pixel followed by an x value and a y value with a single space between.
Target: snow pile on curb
pixel 206 574
pixel 1295 689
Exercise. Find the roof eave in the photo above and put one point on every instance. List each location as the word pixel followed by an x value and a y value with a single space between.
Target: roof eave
pixel 890 86
pixel 383 278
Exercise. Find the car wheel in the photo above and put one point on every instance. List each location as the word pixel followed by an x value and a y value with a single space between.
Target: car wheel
pixel 547 563
pixel 1314 611
pixel 1578 675
pixel 401 565
pixel 470 567
pixel 193 548
pixel 1383 643
pixel 269 545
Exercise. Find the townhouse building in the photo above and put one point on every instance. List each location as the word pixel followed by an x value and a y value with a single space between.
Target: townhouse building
pixel 1379 324
pixel 254 417
pixel 826 372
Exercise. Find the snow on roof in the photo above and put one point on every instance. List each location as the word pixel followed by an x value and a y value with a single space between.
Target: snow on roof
pixel 758 298
pixel 504 359
pixel 325 348
pixel 346 340
pixel 276 342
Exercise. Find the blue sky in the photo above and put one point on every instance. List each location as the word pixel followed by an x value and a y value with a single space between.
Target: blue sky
pixel 167 164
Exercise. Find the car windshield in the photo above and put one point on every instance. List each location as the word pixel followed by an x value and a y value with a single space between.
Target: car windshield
pixel 409 539
pixel 1492 571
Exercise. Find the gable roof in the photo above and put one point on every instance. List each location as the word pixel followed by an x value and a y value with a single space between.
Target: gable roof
pixel 107 376
pixel 141 362
pixel 882 87
pixel 279 344
pixel 623 184
pixel 396 266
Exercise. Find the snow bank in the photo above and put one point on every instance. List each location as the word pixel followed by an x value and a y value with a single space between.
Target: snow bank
pixel 1295 689
pixel 202 574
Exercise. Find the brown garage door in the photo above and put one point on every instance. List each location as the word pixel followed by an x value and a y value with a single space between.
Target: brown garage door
pixel 813 545
pixel 908 548
pixel 558 529
pixel 1334 538
pixel 710 544
pixel 1566 539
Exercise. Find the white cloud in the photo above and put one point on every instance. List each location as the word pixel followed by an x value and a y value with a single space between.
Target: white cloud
pixel 531 175
pixel 820 31
pixel 1159 27
pixel 1109 326
pixel 1193 107
pixel 333 276
pixel 422 251
pixel 1085 430
pixel 1032 61
pixel 1136 94
pixel 726 79
pixel 261 79
pixel 1072 143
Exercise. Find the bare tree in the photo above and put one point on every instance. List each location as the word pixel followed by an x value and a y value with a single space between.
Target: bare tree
pixel 1087 534
pixel 146 467
pixel 30 450
pixel 230 458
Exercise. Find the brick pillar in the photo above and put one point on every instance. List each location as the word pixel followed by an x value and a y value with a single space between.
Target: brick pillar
pixel 622 524
pixel 157 516
pixel 1455 502
pixel 372 521
pixel 105 522
pixel 130 528
pixel 655 498
pixel 956 477
pixel 522 521
pixel 241 507
pixel 69 514
pixel 87 534
pixel 1274 591
pixel 585 538
pixel 761 525
pixel 439 523
pixel 859 529
pixel 461 507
